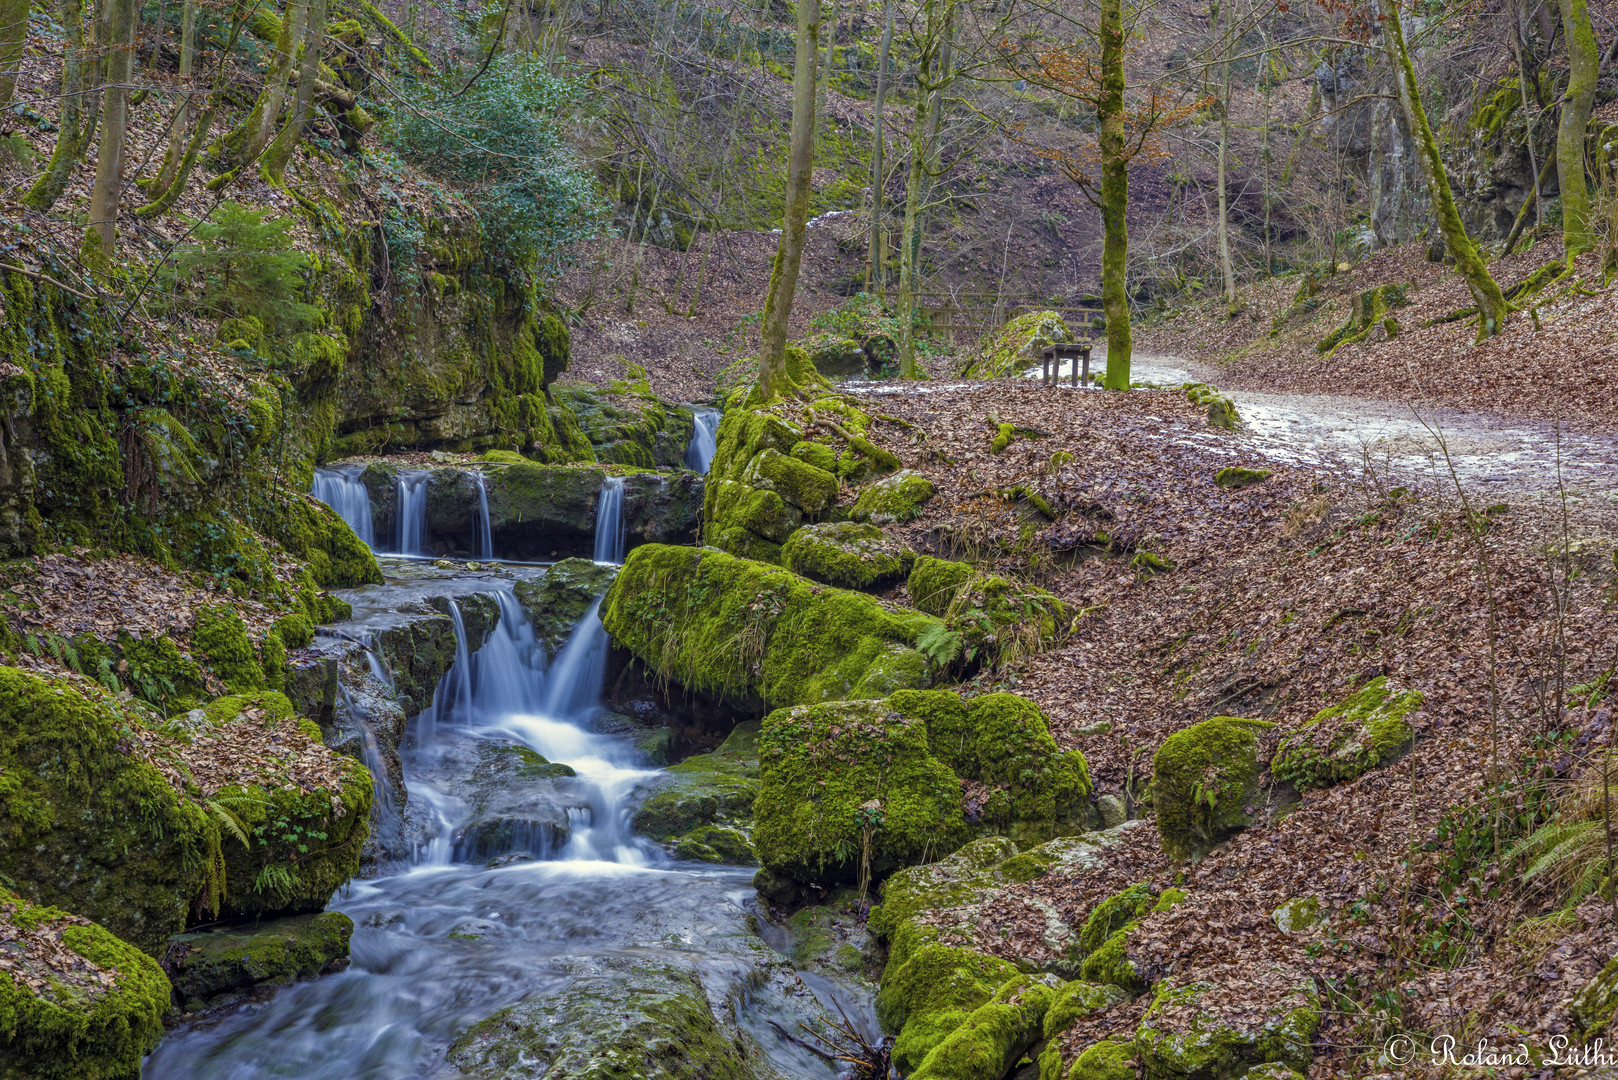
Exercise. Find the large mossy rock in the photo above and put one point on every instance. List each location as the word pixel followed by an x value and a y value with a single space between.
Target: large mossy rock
pixel 1594 1006
pixel 558 599
pixel 1102 948
pixel 634 1019
pixel 919 773
pixel 752 632
pixel 1206 784
pixel 989 1043
pixel 1366 729
pixel 1020 344
pixel 702 807
pixel 835 356
pixel 220 965
pixel 1183 1036
pixel 335 556
pixel 893 500
pixel 847 555
pixel 519 802
pixel 630 428
pixel 76 1002
pixel 537 509
pixel 998 619
pixel 924 1000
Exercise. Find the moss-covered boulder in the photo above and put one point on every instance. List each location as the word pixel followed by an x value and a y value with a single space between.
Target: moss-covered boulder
pixel 1594 1006
pixel 847 555
pixel 892 500
pixel 632 1020
pixel 1191 1033
pixel 1097 1061
pixel 834 939
pixel 835 356
pixel 702 807
pixel 881 784
pixel 997 619
pixel 1019 345
pixel 557 599
pixel 991 1040
pixel 76 1003
pixel 1103 942
pixel 632 427
pixel 220 965
pixel 538 509
pixel 1237 476
pixel 937 988
pixel 335 556
pixel 752 632
pixel 1366 729
pixel 1221 409
pixel 1206 784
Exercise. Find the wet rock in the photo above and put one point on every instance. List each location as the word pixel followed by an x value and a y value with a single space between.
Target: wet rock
pixel 540 511
pixel 520 802
pixel 222 965
pixel 702 807
pixel 657 743
pixel 631 428
pixel 557 600
pixel 832 940
pixel 1206 784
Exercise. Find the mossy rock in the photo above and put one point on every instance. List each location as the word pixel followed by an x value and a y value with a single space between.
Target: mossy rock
pixel 847 555
pixel 1073 1002
pixel 994 1037
pixel 1237 477
pixel 800 484
pixel 997 619
pixel 934 583
pixel 634 1020
pixel 752 632
pixel 1206 784
pixel 635 428
pixel 714 844
pixel 1179 1039
pixel 824 767
pixel 1593 1007
pixel 1298 915
pixel 76 1002
pixel 834 356
pixel 556 600
pixel 1221 410
pixel 1019 345
pixel 832 939
pixel 552 506
pixel 705 792
pixel 1366 729
pixel 935 991
pixel 1104 939
pixel 518 800
pixel 1273 1070
pixel 220 638
pixel 892 500
pixel 335 556
pixel 215 966
pixel 1109 1059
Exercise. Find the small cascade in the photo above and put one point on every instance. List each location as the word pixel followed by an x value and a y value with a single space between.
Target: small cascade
pixel 704 440
pixel 452 700
pixel 342 490
pixel 485 534
pixel 610 521
pixel 411 517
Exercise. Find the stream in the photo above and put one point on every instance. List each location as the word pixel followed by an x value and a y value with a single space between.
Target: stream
pixel 478 918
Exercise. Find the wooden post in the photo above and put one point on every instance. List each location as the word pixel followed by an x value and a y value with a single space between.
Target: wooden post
pixel 1045 372
pixel 1087 367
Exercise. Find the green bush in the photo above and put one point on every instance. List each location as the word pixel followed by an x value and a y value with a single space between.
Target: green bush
pixel 243 266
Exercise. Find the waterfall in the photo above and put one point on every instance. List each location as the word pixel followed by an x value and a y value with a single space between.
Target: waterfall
pixel 485 535
pixel 699 451
pixel 411 516
pixel 341 490
pixel 610 521
pixel 452 700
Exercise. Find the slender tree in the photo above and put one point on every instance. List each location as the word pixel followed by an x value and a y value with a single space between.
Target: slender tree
pixel 932 76
pixel 120 22
pixel 1223 105
pixel 1486 295
pixel 249 140
pixel 280 151
pixel 772 373
pixel 874 277
pixel 13 34
pixel 1584 66
pixel 174 153
pixel 73 120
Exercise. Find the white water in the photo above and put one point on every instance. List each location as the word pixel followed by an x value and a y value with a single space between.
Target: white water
pixel 410 518
pixel 485 536
pixel 610 521
pixel 704 439
pixel 341 490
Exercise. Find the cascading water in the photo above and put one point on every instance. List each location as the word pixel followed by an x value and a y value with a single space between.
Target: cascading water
pixel 341 490
pixel 610 521
pixel 410 528
pixel 704 440
pixel 447 941
pixel 485 534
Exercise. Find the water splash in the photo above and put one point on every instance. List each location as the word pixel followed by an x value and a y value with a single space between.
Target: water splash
pixel 704 440
pixel 341 489
pixel 610 521
pixel 410 519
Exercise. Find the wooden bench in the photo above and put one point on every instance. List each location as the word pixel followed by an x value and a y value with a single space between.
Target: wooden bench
pixel 1071 350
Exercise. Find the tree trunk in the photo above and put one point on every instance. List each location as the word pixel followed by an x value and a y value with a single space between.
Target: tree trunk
pixel 71 135
pixel 873 269
pixel 1527 113
pixel 1114 200
pixel 255 133
pixel 1225 262
pixel 825 73
pixel 120 68
pixel 1491 305
pixel 13 35
pixel 280 152
pixel 923 146
pixel 772 373
pixel 182 119
pixel 1584 63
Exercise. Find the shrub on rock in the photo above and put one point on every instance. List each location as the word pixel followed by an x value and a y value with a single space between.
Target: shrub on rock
pixel 997 619
pixel 1347 740
pixel 1206 784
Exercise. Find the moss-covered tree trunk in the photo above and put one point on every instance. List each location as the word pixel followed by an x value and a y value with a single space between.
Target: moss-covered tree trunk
pixel 1225 262
pixel 260 126
pixel 1584 65
pixel 280 151
pixel 772 376
pixel 175 152
pixel 873 270
pixel 1113 140
pixel 71 120
pixel 120 69
pixel 13 33
pixel 1491 304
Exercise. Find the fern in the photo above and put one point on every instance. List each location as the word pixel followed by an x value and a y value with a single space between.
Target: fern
pixel 223 808
pixel 939 644
pixel 1569 855
pixel 106 677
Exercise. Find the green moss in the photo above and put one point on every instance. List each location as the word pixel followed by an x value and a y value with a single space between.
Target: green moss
pixel 1002 438
pixel 1179 1038
pixel 1594 1006
pixel 1020 344
pixel 269 705
pixel 1076 1000
pixel 845 554
pixel 990 1041
pixel 705 790
pixel 219 636
pixel 714 844
pixel 1113 914
pixel 273 660
pixel 1206 784
pixel 295 630
pixel 1109 1059
pixel 337 559
pixel 893 500
pixel 817 454
pixel 1347 740
pixel 214 966
pixel 1234 476
pixel 934 584
pixel 799 483
pixel 995 618
pixel 744 629
pixel 932 994
pixel 69 1032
